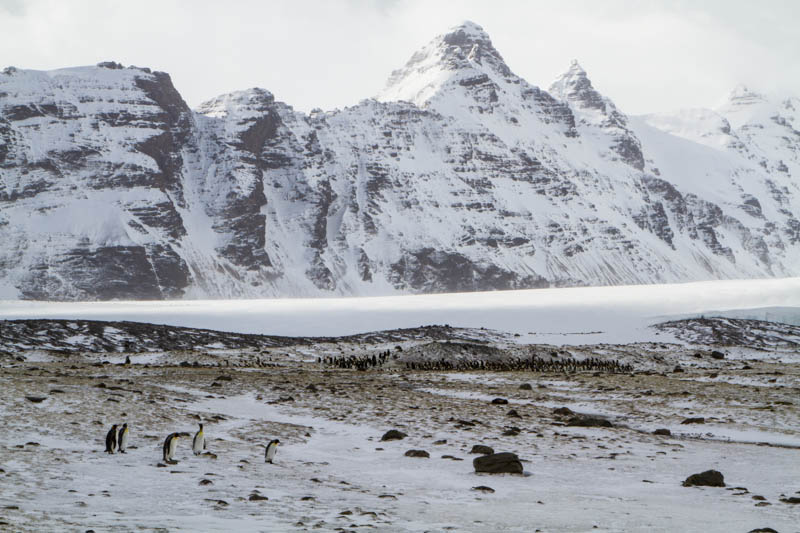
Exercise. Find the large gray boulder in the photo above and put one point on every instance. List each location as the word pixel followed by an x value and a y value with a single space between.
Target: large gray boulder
pixel 498 463
pixel 481 449
pixel 393 434
pixel 709 478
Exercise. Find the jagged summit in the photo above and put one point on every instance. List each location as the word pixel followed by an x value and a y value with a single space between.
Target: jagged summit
pixel 255 99
pixel 463 52
pixel 574 86
pixel 744 105
pixel 743 95
pixel 598 114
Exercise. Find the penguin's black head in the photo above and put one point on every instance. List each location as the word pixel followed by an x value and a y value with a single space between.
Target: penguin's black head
pixel 201 426
pixel 124 425
pixel 275 441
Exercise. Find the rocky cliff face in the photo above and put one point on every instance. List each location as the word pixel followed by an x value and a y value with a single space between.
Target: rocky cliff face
pixel 459 176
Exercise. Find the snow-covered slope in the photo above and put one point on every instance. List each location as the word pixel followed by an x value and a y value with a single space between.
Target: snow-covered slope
pixel 460 176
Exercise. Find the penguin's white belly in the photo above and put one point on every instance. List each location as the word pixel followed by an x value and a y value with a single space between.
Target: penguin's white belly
pixel 198 444
pixel 271 451
pixel 123 441
pixel 171 451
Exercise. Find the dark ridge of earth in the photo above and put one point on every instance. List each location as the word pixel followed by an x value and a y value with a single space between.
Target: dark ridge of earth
pixel 94 336
pixel 720 331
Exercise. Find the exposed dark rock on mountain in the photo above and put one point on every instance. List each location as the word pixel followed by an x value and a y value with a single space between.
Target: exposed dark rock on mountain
pixel 460 176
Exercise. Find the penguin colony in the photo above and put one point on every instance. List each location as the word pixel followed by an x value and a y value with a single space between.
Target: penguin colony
pixel 117 441
pixel 531 364
pixel 363 362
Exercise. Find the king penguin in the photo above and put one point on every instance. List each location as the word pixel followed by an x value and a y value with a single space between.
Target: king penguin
pixel 199 442
pixel 111 439
pixel 272 447
pixel 169 446
pixel 122 438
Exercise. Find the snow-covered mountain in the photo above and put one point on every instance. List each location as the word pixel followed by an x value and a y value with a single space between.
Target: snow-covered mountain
pixel 459 176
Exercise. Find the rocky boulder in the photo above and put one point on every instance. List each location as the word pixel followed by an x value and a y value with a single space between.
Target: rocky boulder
pixel 393 434
pixel 417 453
pixel 589 422
pixel 498 463
pixel 709 478
pixel 481 449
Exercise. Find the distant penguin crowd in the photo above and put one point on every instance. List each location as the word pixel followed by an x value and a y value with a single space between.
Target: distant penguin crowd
pixel 355 362
pixel 530 364
pixel 117 441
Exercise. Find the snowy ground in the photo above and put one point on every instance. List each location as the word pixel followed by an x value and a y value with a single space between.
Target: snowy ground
pixel 332 472
pixel 552 316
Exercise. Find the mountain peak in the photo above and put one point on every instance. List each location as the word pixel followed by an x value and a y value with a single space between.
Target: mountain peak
pixel 463 48
pixel 741 95
pixel 575 68
pixel 248 101
pixel 466 33
pixel 575 86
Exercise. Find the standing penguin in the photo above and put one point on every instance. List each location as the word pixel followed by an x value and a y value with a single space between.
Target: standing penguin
pixel 111 439
pixel 169 446
pixel 272 447
pixel 199 442
pixel 122 438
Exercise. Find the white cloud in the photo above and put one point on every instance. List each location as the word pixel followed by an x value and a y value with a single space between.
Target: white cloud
pixel 646 56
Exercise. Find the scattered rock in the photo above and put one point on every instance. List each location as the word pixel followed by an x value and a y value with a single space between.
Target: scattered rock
pixel 694 420
pixel 206 482
pixel 589 422
pixel 393 434
pixel 677 369
pixel 440 442
pixel 499 401
pixel 563 411
pixel 525 386
pixel 715 354
pixel 417 453
pixel 513 413
pixel 763 530
pixel 662 431
pixel 498 463
pixel 36 399
pixel 452 458
pixel 512 432
pixel 481 449
pixel 759 498
pixel 484 488
pixel 709 478
pixel 255 497
pixel 791 499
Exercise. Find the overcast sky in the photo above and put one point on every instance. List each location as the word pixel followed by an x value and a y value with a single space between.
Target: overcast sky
pixel 646 56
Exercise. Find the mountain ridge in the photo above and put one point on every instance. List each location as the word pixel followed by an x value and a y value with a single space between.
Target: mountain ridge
pixel 460 176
